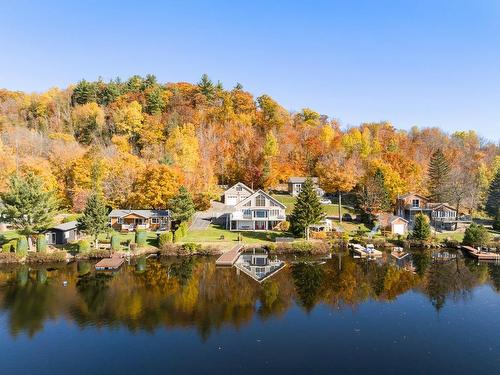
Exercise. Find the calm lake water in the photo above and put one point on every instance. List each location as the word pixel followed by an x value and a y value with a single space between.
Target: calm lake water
pixel 187 316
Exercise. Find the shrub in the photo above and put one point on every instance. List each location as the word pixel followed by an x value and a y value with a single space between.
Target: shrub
pixel 83 246
pixel 209 251
pixel 302 247
pixel 422 228
pixel 115 242
pixel 41 243
pixel 22 246
pixel 140 238
pixel 181 231
pixel 165 238
pixel 271 247
pixel 191 248
pixel 284 226
pixel 40 257
pixel 476 235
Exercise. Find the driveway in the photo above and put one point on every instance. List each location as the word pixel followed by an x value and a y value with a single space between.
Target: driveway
pixel 202 219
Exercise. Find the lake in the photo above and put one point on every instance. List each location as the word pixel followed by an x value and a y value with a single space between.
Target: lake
pixel 346 316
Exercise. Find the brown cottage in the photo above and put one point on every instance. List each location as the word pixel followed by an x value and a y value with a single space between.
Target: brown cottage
pixel 441 215
pixel 130 220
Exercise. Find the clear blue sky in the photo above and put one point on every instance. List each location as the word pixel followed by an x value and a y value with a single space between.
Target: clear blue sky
pixel 424 63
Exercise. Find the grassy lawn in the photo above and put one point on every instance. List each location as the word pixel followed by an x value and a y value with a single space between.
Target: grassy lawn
pixel 130 236
pixel 330 209
pixel 213 234
pixel 454 236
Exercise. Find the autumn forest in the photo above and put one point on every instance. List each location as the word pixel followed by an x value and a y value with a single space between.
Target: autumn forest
pixel 141 140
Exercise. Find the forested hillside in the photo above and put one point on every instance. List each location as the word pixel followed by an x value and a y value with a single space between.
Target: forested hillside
pixel 141 140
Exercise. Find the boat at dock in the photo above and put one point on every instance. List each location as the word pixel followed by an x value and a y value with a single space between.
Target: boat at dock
pixel 366 252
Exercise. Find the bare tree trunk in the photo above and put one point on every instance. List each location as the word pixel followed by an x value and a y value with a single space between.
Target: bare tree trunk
pixel 340 206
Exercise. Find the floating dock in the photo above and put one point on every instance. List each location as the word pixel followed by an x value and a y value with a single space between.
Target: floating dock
pixel 108 264
pixel 363 253
pixel 228 259
pixel 481 255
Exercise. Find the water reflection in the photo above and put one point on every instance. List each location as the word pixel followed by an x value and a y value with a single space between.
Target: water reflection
pixel 192 292
pixel 257 264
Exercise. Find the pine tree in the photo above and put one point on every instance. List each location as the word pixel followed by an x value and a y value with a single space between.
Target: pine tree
pixel 496 223
pixel 207 87
pixel 438 174
pixel 95 217
pixel 28 207
pixel 308 209
pixel 422 228
pixel 182 206
pixel 493 200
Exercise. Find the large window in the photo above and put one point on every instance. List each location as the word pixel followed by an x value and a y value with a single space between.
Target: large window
pixel 260 201
pixel 415 203
pixel 261 214
pixel 155 220
pixel 120 220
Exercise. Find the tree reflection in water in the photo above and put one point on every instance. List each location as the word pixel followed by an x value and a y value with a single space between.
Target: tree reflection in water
pixel 192 292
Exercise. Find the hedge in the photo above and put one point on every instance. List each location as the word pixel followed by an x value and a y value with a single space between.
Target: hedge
pixel 115 242
pixel 22 246
pixel 83 246
pixel 41 243
pixel 140 238
pixel 165 238
pixel 181 231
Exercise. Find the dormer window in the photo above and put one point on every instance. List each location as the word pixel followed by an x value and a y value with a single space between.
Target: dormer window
pixel 260 201
pixel 415 203
pixel 239 188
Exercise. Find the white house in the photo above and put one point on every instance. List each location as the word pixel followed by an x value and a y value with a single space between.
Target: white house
pixel 236 194
pixel 258 211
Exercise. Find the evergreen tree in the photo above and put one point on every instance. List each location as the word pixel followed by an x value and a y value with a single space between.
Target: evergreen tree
pixel 476 235
pixel 28 207
pixel 94 219
pixel 308 209
pixel 493 200
pixel 496 224
pixel 438 174
pixel 422 228
pixel 207 87
pixel 182 206
pixel 84 92
pixel 154 101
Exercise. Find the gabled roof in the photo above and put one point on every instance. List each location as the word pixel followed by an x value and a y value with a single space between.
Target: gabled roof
pixel 301 180
pixel 242 203
pixel 242 185
pixel 435 206
pixel 66 226
pixel 411 194
pixel 144 213
pixel 387 219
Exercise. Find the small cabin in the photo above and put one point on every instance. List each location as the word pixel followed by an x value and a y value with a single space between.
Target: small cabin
pixel 62 234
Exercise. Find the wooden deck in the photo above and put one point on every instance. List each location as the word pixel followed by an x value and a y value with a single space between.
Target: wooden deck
pixel 112 263
pixel 481 255
pixel 360 250
pixel 228 258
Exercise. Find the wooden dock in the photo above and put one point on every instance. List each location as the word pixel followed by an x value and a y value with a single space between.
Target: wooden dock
pixel 108 264
pixel 361 251
pixel 481 255
pixel 228 259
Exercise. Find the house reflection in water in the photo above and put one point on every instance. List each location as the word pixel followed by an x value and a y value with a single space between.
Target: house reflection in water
pixel 257 264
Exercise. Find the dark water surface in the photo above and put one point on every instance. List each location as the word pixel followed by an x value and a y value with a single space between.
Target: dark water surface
pixel 187 316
